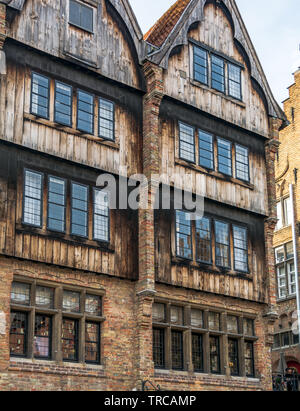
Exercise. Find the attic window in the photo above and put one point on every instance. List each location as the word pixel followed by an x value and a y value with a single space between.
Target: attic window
pixel 81 16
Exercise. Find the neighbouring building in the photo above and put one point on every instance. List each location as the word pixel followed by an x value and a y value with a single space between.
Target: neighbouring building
pixel 288 172
pixel 96 298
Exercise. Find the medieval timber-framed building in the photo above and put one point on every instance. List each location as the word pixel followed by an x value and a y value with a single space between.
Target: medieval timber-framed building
pixel 99 299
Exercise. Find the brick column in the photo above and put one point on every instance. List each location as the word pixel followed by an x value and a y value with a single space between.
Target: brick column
pixel 3 33
pixel 145 288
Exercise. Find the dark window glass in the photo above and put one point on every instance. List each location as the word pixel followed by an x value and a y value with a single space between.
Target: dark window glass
pixel 186 143
pixel 93 305
pixel 183 235
pixel 81 15
pixel 200 65
pixel 20 294
pixel 92 343
pixel 214 348
pixel 234 81
pixel 63 104
pixel 276 341
pixel 106 119
pixel 197 352
pixel 240 241
pixel 206 150
pixel 44 297
pixel 218 73
pixel 242 163
pixel 285 339
pixel 42 336
pixel 32 213
pixel 222 244
pixel 203 240
pixel 85 112
pixel 101 216
pixel 233 354
pixel 18 334
pixel 248 327
pixel 295 338
pixel 177 350
pixel 71 302
pixel 70 339
pixel 232 324
pixel 40 96
pixel 79 210
pixel 56 204
pixel 224 157
pixel 249 359
pixel 159 348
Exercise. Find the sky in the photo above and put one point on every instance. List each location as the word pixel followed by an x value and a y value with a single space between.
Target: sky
pixel 274 28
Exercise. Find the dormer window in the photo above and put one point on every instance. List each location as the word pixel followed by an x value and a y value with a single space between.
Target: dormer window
pixel 81 16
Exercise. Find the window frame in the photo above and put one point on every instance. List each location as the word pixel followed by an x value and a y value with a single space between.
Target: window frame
pixel 223 76
pixel 98 342
pixel 25 169
pixel 47 117
pixel 163 343
pixel 237 162
pixel 26 328
pixel 108 217
pixel 79 90
pixel 210 220
pixel 217 220
pixel 113 121
pixel 284 264
pixel 191 236
pixel 49 357
pixel 240 81
pixel 71 106
pixel 207 65
pixel 72 182
pixel 252 358
pixel 247 271
pixel 218 155
pixel 64 206
pixel 91 31
pixel 213 140
pixel 180 142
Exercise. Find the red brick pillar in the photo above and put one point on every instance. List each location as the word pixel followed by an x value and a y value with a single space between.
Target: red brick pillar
pixel 145 288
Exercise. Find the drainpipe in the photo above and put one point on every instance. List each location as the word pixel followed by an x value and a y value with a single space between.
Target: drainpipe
pixel 295 256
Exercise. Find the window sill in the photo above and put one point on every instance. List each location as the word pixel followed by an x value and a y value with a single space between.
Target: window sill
pixel 71 130
pixel 285 299
pixel 218 93
pixel 187 374
pixel 213 173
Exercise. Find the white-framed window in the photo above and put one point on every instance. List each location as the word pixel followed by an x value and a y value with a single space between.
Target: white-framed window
pixel 285 270
pixel 284 213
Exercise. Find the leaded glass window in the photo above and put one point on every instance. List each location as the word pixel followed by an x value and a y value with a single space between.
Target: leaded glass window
pixel 197 352
pixel 249 359
pixel 234 81
pixel 20 293
pixel 242 163
pixel 222 244
pixel 159 348
pixel 32 209
pixel 40 95
pixel 56 204
pixel 232 324
pixel 159 313
pixel 85 112
pixel 93 305
pixel 71 302
pixel 63 104
pixel 200 65
pixel 177 350
pixel 44 297
pixel 177 315
pixel 224 157
pixel 215 360
pixel 187 143
pixel 42 336
pixel 18 334
pixel 183 235
pixel 79 224
pixel 106 119
pixel 206 150
pixel 70 339
pixel 203 240
pixel 101 216
pixel 218 73
pixel 240 241
pixel 214 322
pixel 233 354
pixel 248 327
pixel 197 318
pixel 92 343
pixel 81 15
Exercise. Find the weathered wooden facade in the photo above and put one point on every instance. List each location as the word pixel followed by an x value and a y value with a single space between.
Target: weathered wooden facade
pixel 84 94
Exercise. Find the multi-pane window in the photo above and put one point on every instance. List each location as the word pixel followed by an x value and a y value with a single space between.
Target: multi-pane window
pixel 186 143
pixel 240 244
pixel 203 240
pixel 206 150
pixel 81 15
pixel 56 204
pixel 285 268
pixel 200 65
pixel 234 81
pixel 224 157
pixel 218 73
pixel 32 201
pixel 63 104
pixel 101 216
pixel 249 358
pixel 40 314
pixel 284 213
pixel 106 119
pixel 242 162
pixel 285 339
pixel 183 235
pixel 180 333
pixel 79 217
pixel 222 244
pixel 85 112
pixel 40 86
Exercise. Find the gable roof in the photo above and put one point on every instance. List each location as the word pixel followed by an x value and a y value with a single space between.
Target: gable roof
pixel 158 33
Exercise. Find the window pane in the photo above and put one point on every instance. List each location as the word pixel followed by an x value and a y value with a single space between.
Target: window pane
pixel 217 73
pixel 249 359
pixel 233 354
pixel 197 318
pixel 177 350
pixel 71 302
pixel 81 15
pixel 187 142
pixel 279 254
pixel 92 343
pixel 285 339
pixel 18 334
pixel 93 305
pixel 222 244
pixel 101 216
pixel 159 313
pixel 56 204
pixel 159 348
pixel 74 16
pixel 106 119
pixel 177 315
pixel 203 240
pixel 224 157
pixel 289 251
pixel 70 339
pixel 40 96
pixel 276 341
pixel 214 321
pixel 183 235
pixel 214 346
pixel 32 213
pixel 234 76
pixel 232 324
pixel 79 210
pixel 206 150
pixel 248 327
pixel 287 209
pixel 44 297
pixel 85 112
pixel 200 65
pixel 242 163
pixel 197 352
pixel 20 293
pixel 63 104
pixel 42 336
pixel 240 239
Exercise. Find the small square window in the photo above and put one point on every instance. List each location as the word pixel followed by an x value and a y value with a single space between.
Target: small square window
pixel 20 294
pixel 159 313
pixel 71 302
pixel 81 15
pixel 93 305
